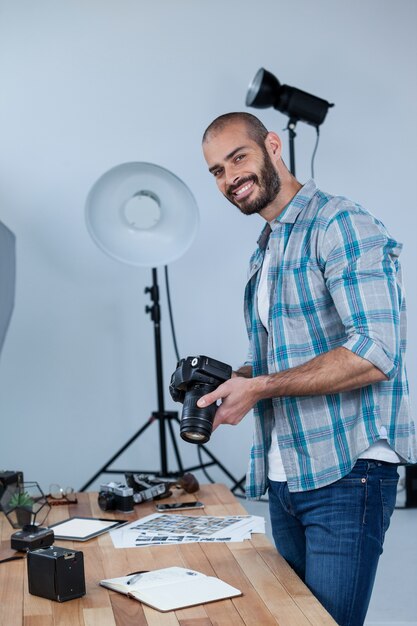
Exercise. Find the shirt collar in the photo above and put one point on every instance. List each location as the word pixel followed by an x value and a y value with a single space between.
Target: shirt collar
pixel 297 203
pixel 264 236
pixel 290 212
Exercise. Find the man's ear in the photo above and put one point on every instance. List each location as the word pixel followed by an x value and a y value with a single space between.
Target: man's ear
pixel 273 145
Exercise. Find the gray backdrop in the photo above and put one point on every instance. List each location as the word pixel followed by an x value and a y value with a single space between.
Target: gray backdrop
pixel 88 85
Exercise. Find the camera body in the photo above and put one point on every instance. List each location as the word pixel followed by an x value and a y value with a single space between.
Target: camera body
pixel 56 573
pixel 145 489
pixel 194 377
pixel 31 538
pixel 116 497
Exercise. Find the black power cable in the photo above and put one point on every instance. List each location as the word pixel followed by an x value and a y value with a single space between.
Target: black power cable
pixel 171 319
pixel 314 151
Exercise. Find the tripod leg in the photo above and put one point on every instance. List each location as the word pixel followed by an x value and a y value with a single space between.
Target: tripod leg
pixel 174 445
pixel 238 484
pixel 104 469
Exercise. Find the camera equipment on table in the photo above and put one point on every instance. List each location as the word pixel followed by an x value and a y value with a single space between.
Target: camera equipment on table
pixel 145 489
pixel 121 497
pixel 116 497
pixel 194 377
pixel 32 538
pixel 153 488
pixel 56 573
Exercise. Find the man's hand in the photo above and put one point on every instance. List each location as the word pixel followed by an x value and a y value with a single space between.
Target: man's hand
pixel 332 372
pixel 238 396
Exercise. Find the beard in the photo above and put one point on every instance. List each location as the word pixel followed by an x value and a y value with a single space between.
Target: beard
pixel 269 186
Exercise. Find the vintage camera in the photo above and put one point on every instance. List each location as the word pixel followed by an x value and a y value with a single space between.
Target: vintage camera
pixel 145 489
pixel 56 573
pixel 116 497
pixel 194 377
pixel 31 538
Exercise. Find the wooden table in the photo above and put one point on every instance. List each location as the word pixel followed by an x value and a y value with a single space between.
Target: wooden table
pixel 272 593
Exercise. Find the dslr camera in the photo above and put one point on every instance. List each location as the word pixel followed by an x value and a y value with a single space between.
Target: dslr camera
pixel 194 377
pixel 116 497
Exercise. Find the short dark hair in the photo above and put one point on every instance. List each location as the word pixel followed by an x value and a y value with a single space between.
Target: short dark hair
pixel 255 129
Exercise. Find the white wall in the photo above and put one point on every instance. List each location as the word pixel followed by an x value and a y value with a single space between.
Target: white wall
pixel 87 85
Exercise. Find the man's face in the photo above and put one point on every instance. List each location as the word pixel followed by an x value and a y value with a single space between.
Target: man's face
pixel 243 170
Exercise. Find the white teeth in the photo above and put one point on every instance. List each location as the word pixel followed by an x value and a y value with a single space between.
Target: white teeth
pixel 243 189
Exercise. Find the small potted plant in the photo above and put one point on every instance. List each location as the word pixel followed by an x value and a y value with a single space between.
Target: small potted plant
pixel 25 505
pixel 22 503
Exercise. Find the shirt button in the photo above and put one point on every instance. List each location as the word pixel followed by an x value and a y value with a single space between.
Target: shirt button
pixel 363 480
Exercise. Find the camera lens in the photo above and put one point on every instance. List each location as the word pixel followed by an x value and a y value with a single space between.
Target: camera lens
pixel 196 423
pixel 106 501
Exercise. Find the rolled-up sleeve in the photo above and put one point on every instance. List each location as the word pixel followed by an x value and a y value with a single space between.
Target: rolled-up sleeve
pixel 362 272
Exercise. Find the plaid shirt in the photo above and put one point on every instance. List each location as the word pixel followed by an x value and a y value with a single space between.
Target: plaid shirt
pixel 334 280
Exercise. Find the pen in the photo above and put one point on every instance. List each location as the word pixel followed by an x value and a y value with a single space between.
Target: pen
pixel 136 576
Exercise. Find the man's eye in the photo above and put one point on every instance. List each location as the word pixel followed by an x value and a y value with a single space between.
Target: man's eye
pixel 239 157
pixel 217 173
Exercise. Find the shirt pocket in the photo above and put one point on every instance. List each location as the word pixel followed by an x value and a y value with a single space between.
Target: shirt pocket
pixel 303 317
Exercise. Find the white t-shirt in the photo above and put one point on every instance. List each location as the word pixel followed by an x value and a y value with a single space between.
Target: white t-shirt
pixel 379 451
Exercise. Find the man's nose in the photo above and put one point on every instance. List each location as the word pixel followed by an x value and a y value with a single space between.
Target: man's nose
pixel 231 176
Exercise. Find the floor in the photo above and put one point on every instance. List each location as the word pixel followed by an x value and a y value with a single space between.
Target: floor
pixel 394 599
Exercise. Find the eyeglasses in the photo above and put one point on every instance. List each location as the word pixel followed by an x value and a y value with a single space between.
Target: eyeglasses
pixel 58 495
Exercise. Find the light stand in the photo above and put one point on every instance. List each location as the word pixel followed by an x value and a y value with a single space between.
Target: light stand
pixel 291 136
pixel 134 219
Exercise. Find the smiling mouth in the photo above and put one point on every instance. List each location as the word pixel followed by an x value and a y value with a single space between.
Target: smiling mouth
pixel 244 190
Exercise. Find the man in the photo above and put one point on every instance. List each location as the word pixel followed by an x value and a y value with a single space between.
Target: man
pixel 325 313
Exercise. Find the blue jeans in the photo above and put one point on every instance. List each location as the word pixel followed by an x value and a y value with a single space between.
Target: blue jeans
pixel 332 536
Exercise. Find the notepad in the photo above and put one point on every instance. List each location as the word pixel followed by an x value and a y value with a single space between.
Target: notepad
pixel 172 588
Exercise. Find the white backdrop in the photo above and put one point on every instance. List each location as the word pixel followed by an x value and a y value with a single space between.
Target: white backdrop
pixel 87 85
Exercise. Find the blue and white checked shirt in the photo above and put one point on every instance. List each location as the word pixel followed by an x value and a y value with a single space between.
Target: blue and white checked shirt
pixel 334 280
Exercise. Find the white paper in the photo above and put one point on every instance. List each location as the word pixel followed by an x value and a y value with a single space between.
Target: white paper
pixel 168 529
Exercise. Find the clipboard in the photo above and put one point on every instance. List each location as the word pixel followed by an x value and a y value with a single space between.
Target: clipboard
pixel 84 528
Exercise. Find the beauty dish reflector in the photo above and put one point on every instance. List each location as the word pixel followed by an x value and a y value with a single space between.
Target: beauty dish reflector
pixel 141 214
